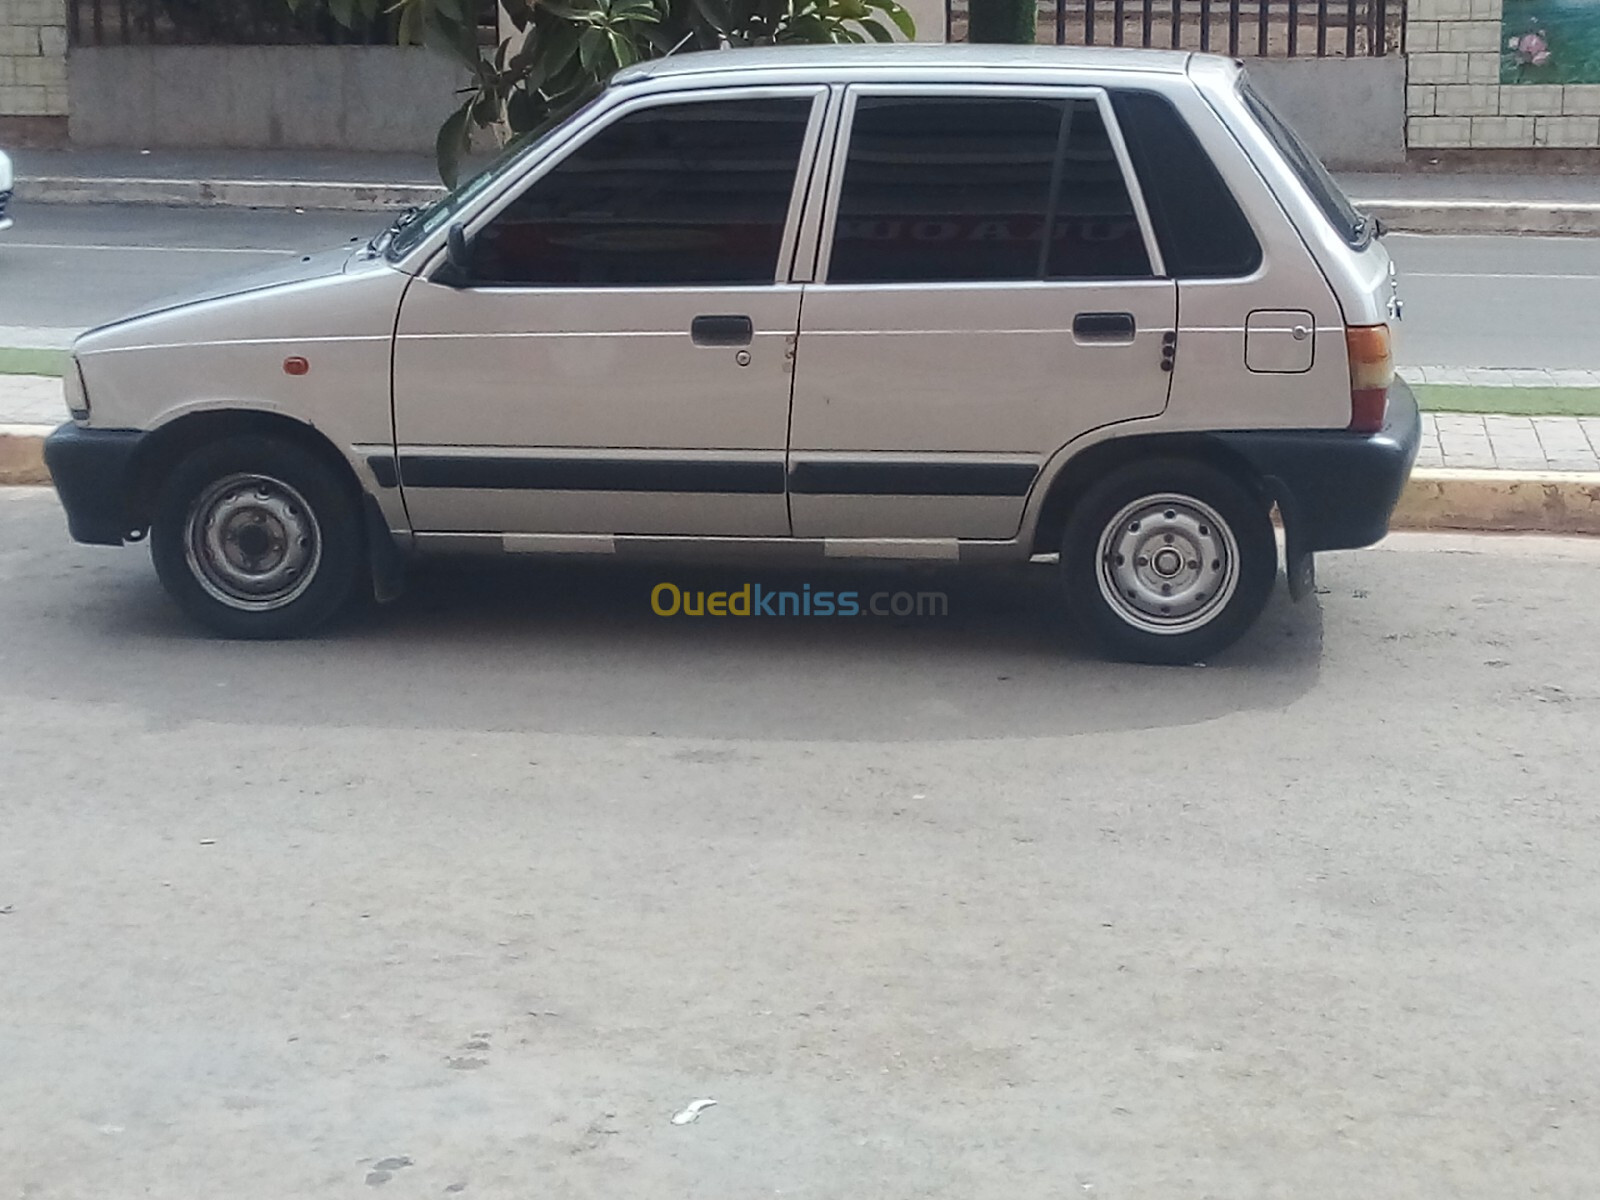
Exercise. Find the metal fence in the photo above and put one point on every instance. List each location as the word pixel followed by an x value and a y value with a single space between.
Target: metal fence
pixel 228 23
pixel 1266 28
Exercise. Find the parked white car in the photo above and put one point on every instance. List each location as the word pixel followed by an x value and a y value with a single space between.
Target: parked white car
pixel 957 303
pixel 5 191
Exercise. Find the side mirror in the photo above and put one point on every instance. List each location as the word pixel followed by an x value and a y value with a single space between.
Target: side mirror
pixel 456 270
pixel 456 248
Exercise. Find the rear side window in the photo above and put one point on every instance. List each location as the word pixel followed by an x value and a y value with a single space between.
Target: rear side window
pixel 1199 226
pixel 968 188
pixel 690 193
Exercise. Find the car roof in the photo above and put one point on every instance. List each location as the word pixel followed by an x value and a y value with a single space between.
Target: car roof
pixel 922 59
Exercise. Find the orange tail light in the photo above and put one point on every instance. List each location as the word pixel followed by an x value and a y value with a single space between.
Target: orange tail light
pixel 1371 373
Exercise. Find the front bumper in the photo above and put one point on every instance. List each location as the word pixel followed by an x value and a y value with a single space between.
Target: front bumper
pixel 92 472
pixel 1336 489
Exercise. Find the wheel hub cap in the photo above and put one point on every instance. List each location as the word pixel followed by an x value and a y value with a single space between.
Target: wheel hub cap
pixel 1168 563
pixel 253 542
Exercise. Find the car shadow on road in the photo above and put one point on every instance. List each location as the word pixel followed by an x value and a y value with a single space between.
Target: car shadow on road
pixel 573 646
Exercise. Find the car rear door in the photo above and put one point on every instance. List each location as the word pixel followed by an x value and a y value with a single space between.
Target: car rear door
pixel 986 290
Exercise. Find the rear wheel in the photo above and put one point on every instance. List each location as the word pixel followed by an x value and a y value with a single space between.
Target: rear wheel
pixel 1168 561
pixel 255 537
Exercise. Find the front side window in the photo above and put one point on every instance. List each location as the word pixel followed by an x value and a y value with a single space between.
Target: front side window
pixel 962 188
pixel 694 193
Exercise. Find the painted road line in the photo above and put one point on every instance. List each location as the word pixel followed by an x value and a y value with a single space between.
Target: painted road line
pixel 102 247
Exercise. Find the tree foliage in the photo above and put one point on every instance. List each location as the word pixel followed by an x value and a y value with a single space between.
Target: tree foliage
pixel 561 52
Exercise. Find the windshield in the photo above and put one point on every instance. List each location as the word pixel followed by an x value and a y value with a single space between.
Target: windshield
pixel 413 228
pixel 1352 225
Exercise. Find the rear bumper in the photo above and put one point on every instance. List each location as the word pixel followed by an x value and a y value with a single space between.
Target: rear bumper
pixel 1336 489
pixel 90 468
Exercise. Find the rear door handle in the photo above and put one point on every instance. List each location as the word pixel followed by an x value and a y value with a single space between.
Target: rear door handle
pixel 722 331
pixel 1103 327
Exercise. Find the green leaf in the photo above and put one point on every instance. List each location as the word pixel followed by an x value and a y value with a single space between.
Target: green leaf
pixel 520 12
pixel 343 11
pixel 903 20
pixel 715 14
pixel 455 138
pixel 877 31
pixel 557 51
pixel 456 41
pixel 591 45
pixel 621 49
pixel 524 111
pixel 569 12
pixel 485 109
pixel 413 22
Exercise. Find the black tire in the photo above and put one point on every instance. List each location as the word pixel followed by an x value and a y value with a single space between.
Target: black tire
pixel 1212 533
pixel 256 537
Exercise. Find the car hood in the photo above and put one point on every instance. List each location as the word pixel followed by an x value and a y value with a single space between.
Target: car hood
pixel 300 269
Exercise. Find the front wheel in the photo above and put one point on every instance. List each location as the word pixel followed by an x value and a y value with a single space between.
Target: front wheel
pixel 255 537
pixel 1168 561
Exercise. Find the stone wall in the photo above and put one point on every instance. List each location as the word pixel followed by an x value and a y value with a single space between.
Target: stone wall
pixel 33 72
pixel 1454 97
pixel 389 98
pixel 1352 111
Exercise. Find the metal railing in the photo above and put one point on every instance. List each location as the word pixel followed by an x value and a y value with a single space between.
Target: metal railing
pixel 227 23
pixel 1265 28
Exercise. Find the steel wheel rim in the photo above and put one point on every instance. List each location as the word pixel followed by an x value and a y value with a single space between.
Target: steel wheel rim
pixel 1168 564
pixel 252 542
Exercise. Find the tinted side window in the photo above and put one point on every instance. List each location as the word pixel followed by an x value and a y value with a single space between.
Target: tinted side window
pixel 694 193
pixel 1199 226
pixel 1095 233
pixel 964 188
pixel 944 189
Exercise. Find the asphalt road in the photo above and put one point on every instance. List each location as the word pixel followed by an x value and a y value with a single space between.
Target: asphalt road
pixel 1470 302
pixel 478 891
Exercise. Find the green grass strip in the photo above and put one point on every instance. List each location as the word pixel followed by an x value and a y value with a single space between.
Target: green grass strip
pixel 32 362
pixel 1517 401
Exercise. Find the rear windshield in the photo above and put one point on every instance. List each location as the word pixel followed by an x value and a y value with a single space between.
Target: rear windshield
pixel 1352 225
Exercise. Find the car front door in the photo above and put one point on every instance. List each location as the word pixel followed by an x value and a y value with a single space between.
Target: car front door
pixel 988 290
pixel 617 357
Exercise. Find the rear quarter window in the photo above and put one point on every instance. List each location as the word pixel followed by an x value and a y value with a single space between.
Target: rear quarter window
pixel 1202 232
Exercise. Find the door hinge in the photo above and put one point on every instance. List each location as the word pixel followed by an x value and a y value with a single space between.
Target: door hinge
pixel 1169 349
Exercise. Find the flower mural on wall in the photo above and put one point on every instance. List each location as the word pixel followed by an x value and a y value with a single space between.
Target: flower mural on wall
pixel 1550 41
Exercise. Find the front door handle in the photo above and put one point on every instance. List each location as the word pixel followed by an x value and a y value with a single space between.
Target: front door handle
pixel 722 331
pixel 1114 327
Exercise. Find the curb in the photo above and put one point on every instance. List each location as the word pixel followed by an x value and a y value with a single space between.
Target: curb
pixel 1501 501
pixel 227 193
pixel 1485 501
pixel 1485 216
pixel 22 453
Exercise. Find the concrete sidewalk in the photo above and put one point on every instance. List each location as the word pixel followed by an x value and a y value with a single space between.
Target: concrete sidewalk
pixel 1419 202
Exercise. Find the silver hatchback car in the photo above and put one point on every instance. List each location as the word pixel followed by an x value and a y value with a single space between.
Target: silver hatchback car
pixel 972 304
